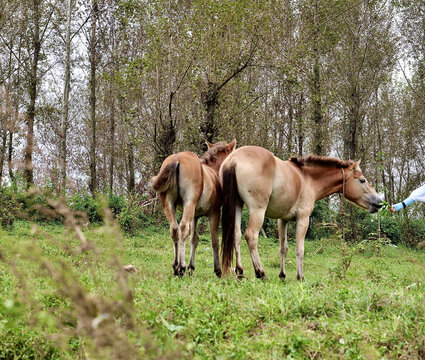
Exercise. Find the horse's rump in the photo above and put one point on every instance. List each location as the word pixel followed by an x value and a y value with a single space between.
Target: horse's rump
pixel 166 178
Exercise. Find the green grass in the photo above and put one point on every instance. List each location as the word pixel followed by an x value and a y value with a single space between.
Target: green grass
pixel 376 310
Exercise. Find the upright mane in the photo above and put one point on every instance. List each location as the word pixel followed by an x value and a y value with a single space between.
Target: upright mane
pixel 321 161
pixel 211 155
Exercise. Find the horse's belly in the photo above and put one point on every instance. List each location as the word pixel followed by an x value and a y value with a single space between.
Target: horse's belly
pixel 279 211
pixel 280 207
pixel 202 208
pixel 204 204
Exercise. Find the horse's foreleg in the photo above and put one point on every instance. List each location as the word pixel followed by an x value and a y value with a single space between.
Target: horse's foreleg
pixel 301 229
pixel 255 223
pixel 194 240
pixel 214 219
pixel 238 236
pixel 188 214
pixel 170 213
pixel 283 237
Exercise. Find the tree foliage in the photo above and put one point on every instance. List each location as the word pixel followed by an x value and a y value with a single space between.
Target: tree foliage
pixel 341 78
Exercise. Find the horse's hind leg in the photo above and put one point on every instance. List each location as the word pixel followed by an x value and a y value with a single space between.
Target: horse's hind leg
pixel 283 237
pixel 170 213
pixel 256 218
pixel 194 240
pixel 188 214
pixel 214 219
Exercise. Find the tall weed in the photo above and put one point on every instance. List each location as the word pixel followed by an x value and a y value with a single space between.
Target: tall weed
pixel 75 313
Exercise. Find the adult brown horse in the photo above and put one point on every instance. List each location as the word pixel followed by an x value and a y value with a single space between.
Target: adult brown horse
pixel 283 190
pixel 191 184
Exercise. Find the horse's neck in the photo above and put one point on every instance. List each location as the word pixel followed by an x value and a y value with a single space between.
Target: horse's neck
pixel 325 181
pixel 214 166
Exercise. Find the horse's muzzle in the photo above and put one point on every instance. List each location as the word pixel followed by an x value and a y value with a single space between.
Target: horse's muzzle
pixel 375 203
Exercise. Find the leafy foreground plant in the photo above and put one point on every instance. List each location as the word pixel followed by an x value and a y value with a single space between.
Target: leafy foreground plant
pixel 73 311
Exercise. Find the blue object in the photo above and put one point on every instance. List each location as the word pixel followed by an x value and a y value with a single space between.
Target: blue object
pixel 404 203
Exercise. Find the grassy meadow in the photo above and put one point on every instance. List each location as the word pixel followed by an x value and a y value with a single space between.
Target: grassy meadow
pixel 61 299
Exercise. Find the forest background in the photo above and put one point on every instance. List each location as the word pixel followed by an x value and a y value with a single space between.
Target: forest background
pixel 95 94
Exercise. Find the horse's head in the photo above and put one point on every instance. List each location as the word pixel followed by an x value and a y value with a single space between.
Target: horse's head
pixel 217 153
pixel 359 191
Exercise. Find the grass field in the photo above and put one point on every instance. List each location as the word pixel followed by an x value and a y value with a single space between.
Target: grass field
pixel 61 301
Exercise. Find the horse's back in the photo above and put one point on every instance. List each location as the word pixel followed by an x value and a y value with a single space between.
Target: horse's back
pixel 264 181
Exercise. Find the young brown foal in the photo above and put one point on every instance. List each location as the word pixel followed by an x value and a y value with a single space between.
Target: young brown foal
pixel 191 184
pixel 283 190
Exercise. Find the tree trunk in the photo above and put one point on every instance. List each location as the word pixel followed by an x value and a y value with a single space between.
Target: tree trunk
pixel 164 141
pixel 317 116
pixel 112 108
pixel 2 153
pixel 12 127
pixel 92 100
pixel 9 157
pixel 5 123
pixel 29 172
pixel 353 123
pixel 131 174
pixel 210 96
pixel 65 104
pixel 300 125
pixel 112 144
pixel 210 99
pixel 290 120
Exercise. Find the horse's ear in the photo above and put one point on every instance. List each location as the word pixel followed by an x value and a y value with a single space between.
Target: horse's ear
pixel 209 144
pixel 230 147
pixel 356 165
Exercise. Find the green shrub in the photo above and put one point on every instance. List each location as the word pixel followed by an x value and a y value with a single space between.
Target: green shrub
pixel 31 203
pixel 132 218
pixel 391 228
pixel 412 231
pixel 359 224
pixel 9 209
pixel 83 201
pixel 321 214
pixel 117 204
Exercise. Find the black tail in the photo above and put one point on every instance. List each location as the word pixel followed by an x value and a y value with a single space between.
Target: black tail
pixel 167 178
pixel 230 191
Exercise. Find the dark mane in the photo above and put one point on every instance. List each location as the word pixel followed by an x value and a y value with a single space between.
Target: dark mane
pixel 321 161
pixel 211 155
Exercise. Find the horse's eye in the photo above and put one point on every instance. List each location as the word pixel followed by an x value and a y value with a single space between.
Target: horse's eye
pixel 362 181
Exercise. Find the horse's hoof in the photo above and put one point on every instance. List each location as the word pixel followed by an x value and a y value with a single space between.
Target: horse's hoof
pixel 181 271
pixel 218 273
pixel 260 274
pixel 282 275
pixel 239 271
pixel 176 270
pixel 191 269
pixel 300 278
